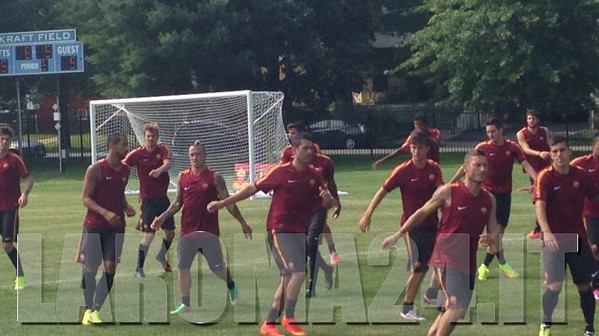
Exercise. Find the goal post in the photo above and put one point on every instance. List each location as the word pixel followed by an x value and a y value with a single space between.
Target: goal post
pixel 243 131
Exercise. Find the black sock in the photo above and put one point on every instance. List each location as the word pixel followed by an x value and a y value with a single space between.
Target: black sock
pixel 186 301
pixel 549 303
pixel 16 261
pixel 312 251
pixel 537 227
pixel 290 308
pixel 273 315
pixel 102 289
pixel 596 277
pixel 230 283
pixel 587 303
pixel 141 255
pixel 501 257
pixel 407 306
pixel 488 258
pixel 166 244
pixel 431 293
pixel 332 248
pixel 88 283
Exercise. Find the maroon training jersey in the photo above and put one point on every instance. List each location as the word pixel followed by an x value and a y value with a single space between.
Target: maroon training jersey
pixel 325 165
pixel 433 152
pixel 12 169
pixel 295 196
pixel 591 166
pixel 149 187
pixel 501 162
pixel 538 142
pixel 287 154
pixel 461 224
pixel 197 191
pixel 417 185
pixel 564 196
pixel 109 194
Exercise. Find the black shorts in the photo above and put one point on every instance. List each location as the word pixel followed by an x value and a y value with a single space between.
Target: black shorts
pixel 504 206
pixel 206 243
pixel 99 245
pixel 457 288
pixel 420 247
pixel 288 251
pixel 316 226
pixel 577 256
pixel 592 225
pixel 9 225
pixel 152 208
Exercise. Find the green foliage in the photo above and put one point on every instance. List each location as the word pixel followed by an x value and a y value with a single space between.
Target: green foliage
pixel 509 53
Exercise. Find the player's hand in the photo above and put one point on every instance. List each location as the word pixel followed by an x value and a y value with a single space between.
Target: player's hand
pixel 157 223
pixel 391 240
pixel 247 231
pixel 112 218
pixel 327 198
pixel 23 200
pixel 545 156
pixel 214 206
pixel 337 211
pixel 129 211
pixel 485 239
pixel 529 188
pixel 364 224
pixel 550 242
pixel 376 164
pixel 154 173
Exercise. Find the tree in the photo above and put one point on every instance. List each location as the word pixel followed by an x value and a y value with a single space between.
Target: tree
pixel 502 55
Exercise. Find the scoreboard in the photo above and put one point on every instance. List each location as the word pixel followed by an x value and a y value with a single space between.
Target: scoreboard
pixel 40 56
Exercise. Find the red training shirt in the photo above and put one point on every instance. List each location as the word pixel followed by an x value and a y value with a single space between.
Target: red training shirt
pixel 501 162
pixel 12 169
pixel 538 142
pixel 149 187
pixel 197 191
pixel 110 195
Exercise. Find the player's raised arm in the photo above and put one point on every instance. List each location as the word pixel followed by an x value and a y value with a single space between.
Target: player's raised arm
pixel 92 175
pixel 172 209
pixel 166 165
pixel 223 193
pixel 441 198
pixel 244 193
pixel 458 175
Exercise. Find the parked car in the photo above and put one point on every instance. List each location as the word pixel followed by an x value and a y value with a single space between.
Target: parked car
pixel 334 133
pixel 34 148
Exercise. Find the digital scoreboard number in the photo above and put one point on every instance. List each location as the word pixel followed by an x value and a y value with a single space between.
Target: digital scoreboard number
pixel 36 59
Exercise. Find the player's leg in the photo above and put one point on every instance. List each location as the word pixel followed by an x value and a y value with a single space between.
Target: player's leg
pixel 592 227
pixel 419 243
pixel 536 231
pixel 169 233
pixel 9 229
pixel 458 287
pixel 504 202
pixel 328 236
pixel 581 267
pixel 111 242
pixel 186 252
pixel 212 251
pixel 142 252
pixel 554 266
pixel 91 257
pixel 315 227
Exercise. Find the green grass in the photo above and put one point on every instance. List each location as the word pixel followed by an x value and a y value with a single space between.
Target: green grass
pixel 368 285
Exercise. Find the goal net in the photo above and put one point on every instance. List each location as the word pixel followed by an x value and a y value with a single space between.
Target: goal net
pixel 243 131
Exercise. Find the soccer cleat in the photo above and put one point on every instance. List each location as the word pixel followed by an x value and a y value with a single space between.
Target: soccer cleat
pixel 589 333
pixel 291 325
pixel 544 330
pixel 94 317
pixel 310 293
pixel 270 329
pixel 328 278
pixel 509 271
pixel 234 294
pixel 596 293
pixel 412 315
pixel 534 234
pixel 181 309
pixel 334 258
pixel 165 265
pixel 139 273
pixel 85 320
pixel 20 282
pixel 483 272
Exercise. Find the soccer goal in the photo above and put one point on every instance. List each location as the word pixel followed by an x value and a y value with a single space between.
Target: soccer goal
pixel 243 131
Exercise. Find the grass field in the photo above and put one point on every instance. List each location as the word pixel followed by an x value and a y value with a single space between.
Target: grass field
pixel 367 290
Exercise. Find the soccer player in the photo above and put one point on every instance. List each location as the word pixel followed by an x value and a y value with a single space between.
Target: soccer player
pixel 590 163
pixel 417 179
pixel 420 125
pixel 466 209
pixel 501 154
pixel 559 197
pixel 196 187
pixel 299 189
pixel 293 130
pixel 153 161
pixel 12 170
pixel 104 224
pixel 534 141
pixel 316 226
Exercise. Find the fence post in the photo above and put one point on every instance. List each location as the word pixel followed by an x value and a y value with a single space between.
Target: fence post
pixel 81 136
